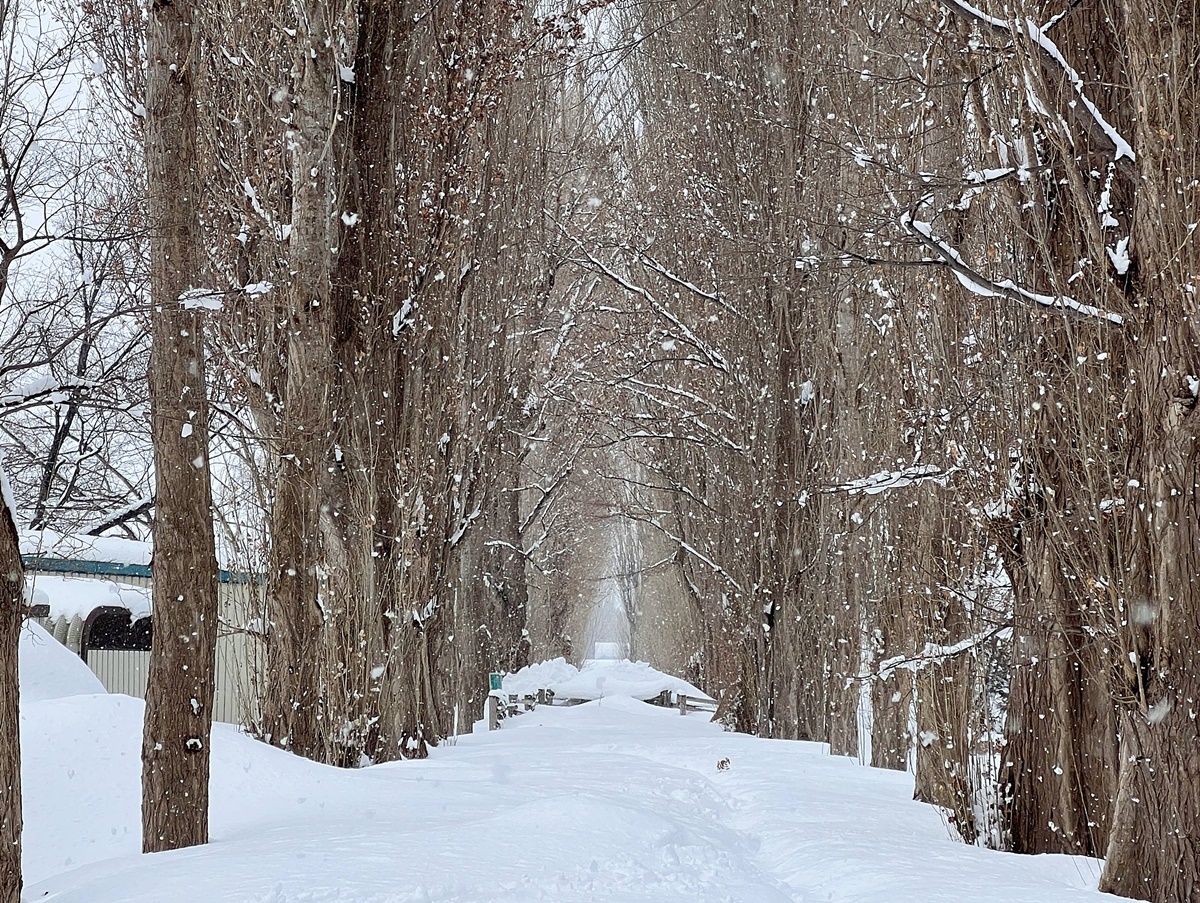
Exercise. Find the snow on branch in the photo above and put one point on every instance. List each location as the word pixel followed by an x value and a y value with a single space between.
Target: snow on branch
pixel 122 515
pixel 43 390
pixel 934 653
pixel 282 232
pixel 714 296
pixel 895 479
pixel 458 534
pixel 711 356
pixel 1051 56
pixel 978 284
pixel 686 546
pixel 712 565
pixel 201 299
pixel 214 299
pixel 548 494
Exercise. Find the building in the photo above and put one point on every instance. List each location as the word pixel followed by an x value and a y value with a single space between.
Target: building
pixel 94 594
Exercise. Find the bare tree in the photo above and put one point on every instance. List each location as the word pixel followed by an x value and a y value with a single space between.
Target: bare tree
pixel 71 281
pixel 175 744
pixel 38 148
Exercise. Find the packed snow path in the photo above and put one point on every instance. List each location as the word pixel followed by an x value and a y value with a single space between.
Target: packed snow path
pixel 609 801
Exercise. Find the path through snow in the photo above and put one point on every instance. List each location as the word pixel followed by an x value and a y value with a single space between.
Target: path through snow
pixel 609 801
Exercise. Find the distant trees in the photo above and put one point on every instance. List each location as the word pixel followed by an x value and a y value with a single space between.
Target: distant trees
pixel 976 470
pixel 855 342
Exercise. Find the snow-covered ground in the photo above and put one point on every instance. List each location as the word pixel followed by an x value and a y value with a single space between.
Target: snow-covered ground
pixel 609 801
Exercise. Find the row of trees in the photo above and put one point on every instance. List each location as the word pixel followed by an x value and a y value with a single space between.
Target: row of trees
pixel 916 367
pixel 847 351
pixel 330 195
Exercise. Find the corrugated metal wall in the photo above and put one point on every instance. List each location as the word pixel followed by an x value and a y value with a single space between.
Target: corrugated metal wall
pixel 235 702
pixel 120 671
pixel 241 654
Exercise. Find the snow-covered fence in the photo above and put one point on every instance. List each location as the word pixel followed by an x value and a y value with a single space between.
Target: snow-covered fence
pixel 557 682
pixel 687 704
pixel 505 705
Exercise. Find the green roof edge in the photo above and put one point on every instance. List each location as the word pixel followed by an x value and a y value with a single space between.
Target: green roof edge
pixel 117 569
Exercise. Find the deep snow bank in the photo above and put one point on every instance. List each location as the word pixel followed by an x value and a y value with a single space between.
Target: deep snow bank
pixel 613 801
pixel 49 670
pixel 609 802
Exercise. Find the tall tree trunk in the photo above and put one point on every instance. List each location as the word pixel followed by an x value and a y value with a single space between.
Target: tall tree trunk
pixel 1156 817
pixel 1058 768
pixel 1057 773
pixel 943 689
pixel 12 604
pixel 891 695
pixel 1156 823
pixel 175 744
pixel 292 714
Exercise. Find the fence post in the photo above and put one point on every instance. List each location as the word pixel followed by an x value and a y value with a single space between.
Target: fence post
pixel 492 710
pixel 682 704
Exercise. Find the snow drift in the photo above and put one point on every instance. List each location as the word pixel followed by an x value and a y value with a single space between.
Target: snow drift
pixel 49 670
pixel 598 679
pixel 612 801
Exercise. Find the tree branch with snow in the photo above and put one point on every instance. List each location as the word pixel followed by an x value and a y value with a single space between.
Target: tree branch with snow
pixel 978 284
pixel 1052 58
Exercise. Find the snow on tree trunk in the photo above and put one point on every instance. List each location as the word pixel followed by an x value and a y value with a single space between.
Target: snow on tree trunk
pixel 179 696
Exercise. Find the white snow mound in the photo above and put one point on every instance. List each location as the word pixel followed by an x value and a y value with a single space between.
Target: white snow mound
pixel 598 679
pixel 49 670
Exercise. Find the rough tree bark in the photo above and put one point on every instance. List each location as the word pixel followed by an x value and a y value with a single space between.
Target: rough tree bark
pixel 1156 819
pixel 392 379
pixel 12 604
pixel 291 705
pixel 1059 760
pixel 175 744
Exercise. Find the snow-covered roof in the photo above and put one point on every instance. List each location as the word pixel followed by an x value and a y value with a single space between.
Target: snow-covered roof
pixel 70 597
pixel 107 556
pixel 597 680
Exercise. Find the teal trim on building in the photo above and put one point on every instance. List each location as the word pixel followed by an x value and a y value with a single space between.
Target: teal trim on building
pixel 116 569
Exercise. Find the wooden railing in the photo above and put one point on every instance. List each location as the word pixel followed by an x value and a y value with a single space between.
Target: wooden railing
pixel 501 705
